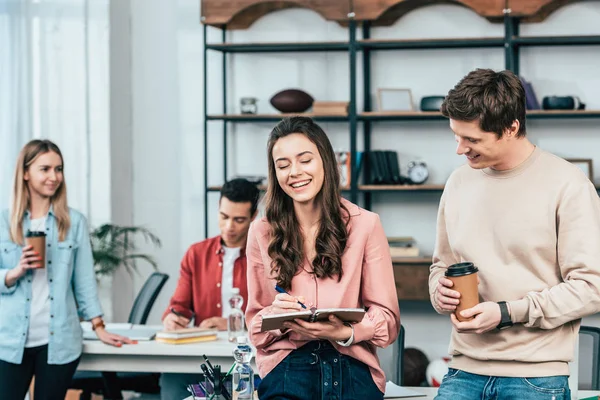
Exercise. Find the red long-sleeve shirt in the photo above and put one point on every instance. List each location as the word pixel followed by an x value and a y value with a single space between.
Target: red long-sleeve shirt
pixel 199 285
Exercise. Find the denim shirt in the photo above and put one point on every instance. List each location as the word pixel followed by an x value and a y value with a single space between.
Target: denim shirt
pixel 72 290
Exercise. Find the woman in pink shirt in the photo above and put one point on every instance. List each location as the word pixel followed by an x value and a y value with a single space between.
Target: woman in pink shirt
pixel 327 253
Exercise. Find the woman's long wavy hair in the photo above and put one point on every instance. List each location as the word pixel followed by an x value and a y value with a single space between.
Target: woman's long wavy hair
pixel 286 247
pixel 21 198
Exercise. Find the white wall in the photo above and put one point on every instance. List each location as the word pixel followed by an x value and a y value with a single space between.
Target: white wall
pixel 166 71
pixel 156 134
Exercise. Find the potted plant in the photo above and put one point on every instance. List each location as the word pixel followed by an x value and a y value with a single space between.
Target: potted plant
pixel 112 247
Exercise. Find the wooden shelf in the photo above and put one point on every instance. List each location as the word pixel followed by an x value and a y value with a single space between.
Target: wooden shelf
pixel 411 260
pixel 433 43
pixel 557 40
pixel 274 117
pixel 400 188
pixel 387 12
pixel 555 114
pixel 400 115
pixel 436 115
pixel 241 14
pixel 274 47
pixel 393 116
pixel 403 44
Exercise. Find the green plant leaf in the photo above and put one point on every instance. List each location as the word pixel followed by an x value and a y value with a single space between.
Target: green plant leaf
pixel 113 246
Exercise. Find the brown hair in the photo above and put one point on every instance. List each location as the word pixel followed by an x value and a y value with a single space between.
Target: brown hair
pixel 21 199
pixel 495 99
pixel 286 247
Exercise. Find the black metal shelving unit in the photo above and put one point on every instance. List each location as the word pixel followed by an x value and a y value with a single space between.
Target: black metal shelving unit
pixel 511 42
pixel 225 48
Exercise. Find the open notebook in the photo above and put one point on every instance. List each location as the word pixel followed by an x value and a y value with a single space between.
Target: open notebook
pixel 275 321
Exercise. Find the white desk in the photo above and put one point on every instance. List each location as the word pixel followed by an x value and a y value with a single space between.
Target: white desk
pixel 152 356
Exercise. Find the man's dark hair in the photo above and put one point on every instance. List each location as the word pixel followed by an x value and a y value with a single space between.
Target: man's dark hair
pixel 241 191
pixel 495 99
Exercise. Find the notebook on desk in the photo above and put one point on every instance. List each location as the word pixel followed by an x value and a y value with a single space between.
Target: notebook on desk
pixel 130 331
pixel 186 335
pixel 275 321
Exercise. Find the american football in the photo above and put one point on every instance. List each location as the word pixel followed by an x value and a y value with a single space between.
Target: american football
pixel 292 101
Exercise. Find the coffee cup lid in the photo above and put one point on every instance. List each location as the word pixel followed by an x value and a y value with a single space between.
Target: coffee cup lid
pixel 35 234
pixel 460 269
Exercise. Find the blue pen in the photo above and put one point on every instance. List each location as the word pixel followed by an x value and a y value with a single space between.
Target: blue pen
pixel 281 290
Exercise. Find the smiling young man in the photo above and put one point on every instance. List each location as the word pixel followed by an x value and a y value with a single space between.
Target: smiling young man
pixel 209 270
pixel 530 221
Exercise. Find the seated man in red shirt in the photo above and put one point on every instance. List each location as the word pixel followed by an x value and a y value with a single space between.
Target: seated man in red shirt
pixel 209 270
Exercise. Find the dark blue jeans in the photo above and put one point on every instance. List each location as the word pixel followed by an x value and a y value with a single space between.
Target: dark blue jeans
pixel 317 371
pixel 461 385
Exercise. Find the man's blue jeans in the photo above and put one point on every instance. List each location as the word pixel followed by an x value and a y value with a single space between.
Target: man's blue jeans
pixel 461 385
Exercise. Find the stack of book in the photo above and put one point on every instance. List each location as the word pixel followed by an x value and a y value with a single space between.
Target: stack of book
pixel 187 335
pixel 403 247
pixel 330 107
pixel 385 168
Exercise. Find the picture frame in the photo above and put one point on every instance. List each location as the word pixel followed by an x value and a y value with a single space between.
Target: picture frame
pixel 585 165
pixel 394 100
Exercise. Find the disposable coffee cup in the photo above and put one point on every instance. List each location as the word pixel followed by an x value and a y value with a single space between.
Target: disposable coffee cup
pixel 464 277
pixel 38 241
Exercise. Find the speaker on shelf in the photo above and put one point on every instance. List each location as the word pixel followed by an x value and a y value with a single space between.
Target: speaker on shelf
pixel 431 103
pixel 562 103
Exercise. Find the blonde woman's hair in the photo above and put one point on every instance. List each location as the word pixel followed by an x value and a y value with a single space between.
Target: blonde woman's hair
pixel 21 199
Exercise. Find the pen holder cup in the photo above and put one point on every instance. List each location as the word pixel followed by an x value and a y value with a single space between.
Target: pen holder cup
pixel 209 387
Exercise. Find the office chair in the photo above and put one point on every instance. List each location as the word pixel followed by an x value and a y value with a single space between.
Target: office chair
pixel 400 357
pixel 146 297
pixel 111 383
pixel 595 334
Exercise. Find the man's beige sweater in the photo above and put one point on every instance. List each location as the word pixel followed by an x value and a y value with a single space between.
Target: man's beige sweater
pixel 534 234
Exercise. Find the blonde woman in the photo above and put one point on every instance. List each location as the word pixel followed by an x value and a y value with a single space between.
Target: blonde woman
pixel 41 305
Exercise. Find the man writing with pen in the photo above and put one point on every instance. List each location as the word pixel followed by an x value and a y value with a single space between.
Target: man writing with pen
pixel 209 270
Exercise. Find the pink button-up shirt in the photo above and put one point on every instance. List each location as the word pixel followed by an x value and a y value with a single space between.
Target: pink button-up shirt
pixel 367 281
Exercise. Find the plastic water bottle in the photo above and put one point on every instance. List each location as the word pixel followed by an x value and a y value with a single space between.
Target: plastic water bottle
pixel 243 376
pixel 235 320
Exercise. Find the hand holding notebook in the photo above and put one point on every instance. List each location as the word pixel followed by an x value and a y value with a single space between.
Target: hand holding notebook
pixel 275 321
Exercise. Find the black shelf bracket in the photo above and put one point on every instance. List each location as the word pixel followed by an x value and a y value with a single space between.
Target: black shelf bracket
pixel 511 49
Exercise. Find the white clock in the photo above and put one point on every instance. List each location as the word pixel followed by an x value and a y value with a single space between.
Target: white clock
pixel 417 172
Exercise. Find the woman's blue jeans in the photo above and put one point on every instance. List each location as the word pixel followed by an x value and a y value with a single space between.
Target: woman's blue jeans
pixel 461 385
pixel 317 371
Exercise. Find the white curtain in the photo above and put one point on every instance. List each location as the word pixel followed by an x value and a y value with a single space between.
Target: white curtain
pixel 54 84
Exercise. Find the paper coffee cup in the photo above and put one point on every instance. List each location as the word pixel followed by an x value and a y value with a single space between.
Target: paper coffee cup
pixel 38 241
pixel 464 277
